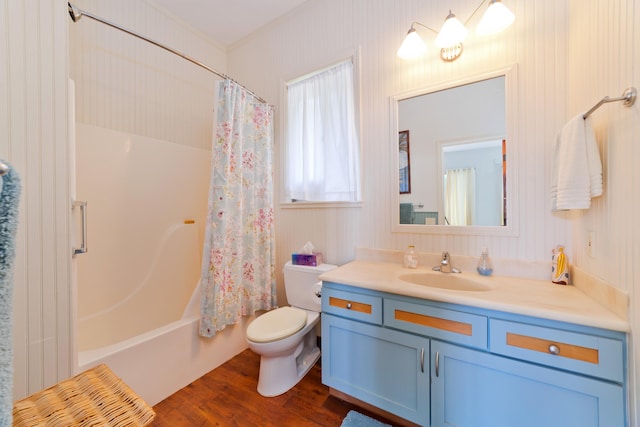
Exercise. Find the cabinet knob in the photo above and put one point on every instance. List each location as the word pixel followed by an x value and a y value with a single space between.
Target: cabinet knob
pixel 348 306
pixel 554 349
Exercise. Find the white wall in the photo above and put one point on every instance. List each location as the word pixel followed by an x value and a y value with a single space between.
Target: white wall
pixel 604 42
pixel 321 30
pixel 127 84
pixel 34 138
pixel 568 54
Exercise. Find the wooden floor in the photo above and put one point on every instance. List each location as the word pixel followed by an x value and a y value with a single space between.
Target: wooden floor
pixel 227 396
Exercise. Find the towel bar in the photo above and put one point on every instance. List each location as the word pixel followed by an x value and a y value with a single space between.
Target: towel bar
pixel 628 96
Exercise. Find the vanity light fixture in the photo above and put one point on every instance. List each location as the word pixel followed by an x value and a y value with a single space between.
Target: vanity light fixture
pixel 452 32
pixel 495 19
pixel 449 39
pixel 413 46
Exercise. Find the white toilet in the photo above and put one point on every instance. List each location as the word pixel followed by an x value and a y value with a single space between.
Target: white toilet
pixel 286 338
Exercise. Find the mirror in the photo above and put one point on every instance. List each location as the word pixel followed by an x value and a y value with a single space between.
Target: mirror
pixel 461 159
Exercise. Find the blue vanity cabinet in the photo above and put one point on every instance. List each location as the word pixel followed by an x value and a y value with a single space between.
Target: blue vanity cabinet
pixel 477 389
pixel 385 368
pixel 484 368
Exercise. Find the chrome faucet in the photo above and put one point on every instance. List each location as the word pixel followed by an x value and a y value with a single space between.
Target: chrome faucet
pixel 445 264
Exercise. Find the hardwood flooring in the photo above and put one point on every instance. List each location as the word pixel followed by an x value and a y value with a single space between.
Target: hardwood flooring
pixel 227 396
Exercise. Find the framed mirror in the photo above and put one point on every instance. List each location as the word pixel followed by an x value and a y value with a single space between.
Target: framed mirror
pixel 463 155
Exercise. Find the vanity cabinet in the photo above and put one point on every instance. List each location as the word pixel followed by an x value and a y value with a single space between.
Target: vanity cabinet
pixel 441 364
pixel 472 388
pixel 383 367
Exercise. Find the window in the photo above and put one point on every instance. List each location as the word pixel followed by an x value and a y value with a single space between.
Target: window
pixel 322 161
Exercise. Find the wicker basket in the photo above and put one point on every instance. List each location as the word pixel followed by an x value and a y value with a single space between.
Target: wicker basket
pixel 96 397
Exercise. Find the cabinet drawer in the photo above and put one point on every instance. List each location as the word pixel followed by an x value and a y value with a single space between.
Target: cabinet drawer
pixel 588 354
pixel 445 324
pixel 352 305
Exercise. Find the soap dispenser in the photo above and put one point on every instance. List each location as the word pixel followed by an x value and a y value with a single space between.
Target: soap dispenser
pixel 485 266
pixel 410 257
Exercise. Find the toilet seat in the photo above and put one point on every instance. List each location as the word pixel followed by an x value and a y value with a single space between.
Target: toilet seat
pixel 277 324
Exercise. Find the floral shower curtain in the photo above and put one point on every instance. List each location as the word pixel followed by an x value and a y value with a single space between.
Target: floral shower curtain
pixel 238 266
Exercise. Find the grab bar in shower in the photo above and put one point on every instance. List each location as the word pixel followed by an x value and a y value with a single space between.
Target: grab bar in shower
pixel 83 249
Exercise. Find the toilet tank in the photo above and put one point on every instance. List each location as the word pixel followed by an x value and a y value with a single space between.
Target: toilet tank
pixel 302 285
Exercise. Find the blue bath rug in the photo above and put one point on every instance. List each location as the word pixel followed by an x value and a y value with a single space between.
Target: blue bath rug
pixel 356 419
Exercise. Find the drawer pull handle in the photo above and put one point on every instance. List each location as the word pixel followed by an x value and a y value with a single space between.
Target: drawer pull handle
pixel 554 349
pixel 356 306
pixel 570 351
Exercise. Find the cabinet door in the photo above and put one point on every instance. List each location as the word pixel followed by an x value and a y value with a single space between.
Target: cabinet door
pixel 476 389
pixel 385 368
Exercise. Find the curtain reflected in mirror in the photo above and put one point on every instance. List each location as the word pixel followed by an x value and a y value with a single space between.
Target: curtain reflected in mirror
pixel 404 164
pixel 460 196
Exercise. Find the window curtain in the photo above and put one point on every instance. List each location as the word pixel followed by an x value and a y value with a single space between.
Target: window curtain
pixel 322 143
pixel 238 266
pixel 460 196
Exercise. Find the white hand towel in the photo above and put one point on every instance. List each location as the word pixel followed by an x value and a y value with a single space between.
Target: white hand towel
pixel 575 166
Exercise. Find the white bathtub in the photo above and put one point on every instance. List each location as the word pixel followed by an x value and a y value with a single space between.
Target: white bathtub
pixel 157 363
pixel 137 294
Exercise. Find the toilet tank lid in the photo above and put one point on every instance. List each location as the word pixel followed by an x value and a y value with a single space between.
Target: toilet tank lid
pixel 322 268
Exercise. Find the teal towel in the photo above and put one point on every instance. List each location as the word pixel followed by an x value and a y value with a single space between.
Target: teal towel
pixel 9 199
pixel 356 419
pixel 406 213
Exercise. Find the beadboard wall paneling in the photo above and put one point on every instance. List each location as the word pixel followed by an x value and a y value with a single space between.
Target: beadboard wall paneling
pixel 33 117
pixel 604 42
pixel 318 30
pixel 126 84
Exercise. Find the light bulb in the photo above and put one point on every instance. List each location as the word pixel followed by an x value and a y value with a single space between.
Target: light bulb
pixel 452 32
pixel 495 19
pixel 412 46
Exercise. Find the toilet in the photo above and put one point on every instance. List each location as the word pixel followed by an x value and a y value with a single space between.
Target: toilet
pixel 285 338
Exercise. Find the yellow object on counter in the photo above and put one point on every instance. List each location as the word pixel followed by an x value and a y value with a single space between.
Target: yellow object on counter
pixel 559 267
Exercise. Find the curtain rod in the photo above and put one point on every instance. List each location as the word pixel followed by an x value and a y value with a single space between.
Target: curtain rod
pixel 77 13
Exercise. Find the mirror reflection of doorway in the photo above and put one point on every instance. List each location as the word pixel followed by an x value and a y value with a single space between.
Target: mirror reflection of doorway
pixel 474 182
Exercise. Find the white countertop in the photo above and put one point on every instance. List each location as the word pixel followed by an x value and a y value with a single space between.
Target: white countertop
pixel 531 297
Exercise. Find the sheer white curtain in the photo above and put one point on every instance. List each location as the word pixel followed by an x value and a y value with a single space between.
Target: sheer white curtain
pixel 322 143
pixel 460 196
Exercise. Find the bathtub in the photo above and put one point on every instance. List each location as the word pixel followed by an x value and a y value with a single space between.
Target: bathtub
pixel 158 363
pixel 136 289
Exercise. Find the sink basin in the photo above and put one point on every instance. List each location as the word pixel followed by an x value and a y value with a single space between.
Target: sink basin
pixel 451 281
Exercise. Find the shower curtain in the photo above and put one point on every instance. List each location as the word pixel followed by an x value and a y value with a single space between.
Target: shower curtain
pixel 238 266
